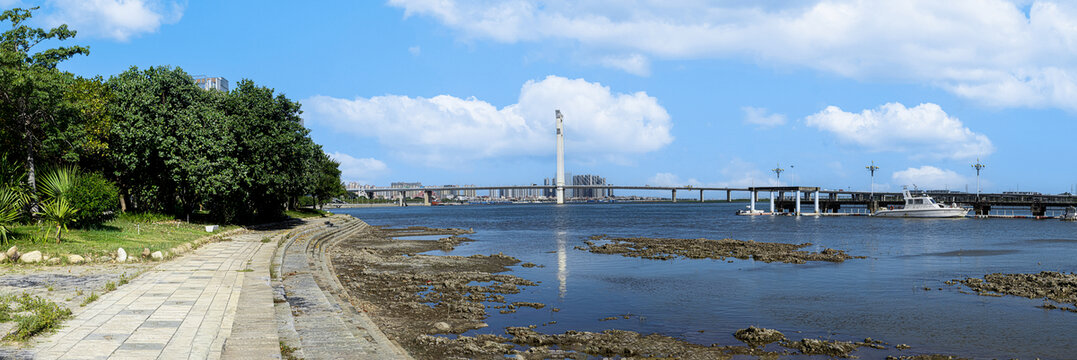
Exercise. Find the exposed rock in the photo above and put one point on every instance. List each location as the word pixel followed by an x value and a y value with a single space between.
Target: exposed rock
pixel 121 255
pixel 757 337
pixel 75 259
pixel 31 257
pixel 157 255
pixel 668 249
pixel 12 252
pixel 3 257
pixel 442 326
pixel 53 261
pixel 1048 285
pixel 145 252
pixel 822 347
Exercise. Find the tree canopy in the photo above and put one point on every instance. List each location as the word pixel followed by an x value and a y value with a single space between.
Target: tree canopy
pixel 168 145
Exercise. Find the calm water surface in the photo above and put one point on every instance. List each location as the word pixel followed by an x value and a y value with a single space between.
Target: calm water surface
pixel 705 301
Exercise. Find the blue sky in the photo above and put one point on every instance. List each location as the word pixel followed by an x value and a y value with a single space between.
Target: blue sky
pixel 693 92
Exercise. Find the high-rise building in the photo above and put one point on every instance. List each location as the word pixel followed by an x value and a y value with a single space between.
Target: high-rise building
pixel 212 83
pixel 407 185
pixel 589 180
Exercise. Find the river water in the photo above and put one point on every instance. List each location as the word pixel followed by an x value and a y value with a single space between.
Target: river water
pixel 705 301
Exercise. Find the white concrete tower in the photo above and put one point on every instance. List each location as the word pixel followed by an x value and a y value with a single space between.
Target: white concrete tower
pixel 560 158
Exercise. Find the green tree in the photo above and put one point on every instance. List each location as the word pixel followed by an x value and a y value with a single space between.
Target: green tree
pixel 31 88
pixel 274 150
pixel 327 184
pixel 170 145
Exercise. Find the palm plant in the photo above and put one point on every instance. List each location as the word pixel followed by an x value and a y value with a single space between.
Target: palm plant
pixel 56 209
pixel 59 212
pixel 10 201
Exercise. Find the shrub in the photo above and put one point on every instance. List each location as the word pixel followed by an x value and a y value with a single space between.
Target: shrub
pixel 95 198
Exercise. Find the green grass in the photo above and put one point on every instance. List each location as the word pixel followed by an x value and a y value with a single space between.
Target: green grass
pixel 32 315
pixel 133 232
pixel 304 213
pixel 89 299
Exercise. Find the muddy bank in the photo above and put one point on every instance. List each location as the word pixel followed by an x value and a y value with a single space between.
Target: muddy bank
pixel 628 344
pixel 410 294
pixel 1049 285
pixel 668 249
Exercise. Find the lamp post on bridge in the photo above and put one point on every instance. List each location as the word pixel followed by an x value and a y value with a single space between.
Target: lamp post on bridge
pixel 978 166
pixel 871 199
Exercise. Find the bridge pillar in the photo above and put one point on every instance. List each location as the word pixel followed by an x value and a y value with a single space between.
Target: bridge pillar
pixel 701 196
pixel 816 202
pixel 729 196
pixel 1039 210
pixel 771 202
pixel 426 197
pixel 981 209
pixel 674 195
pixel 798 204
pixel 369 195
pixel 751 196
pixel 402 202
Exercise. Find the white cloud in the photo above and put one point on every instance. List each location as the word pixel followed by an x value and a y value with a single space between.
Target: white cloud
pixel 760 117
pixel 415 50
pixel 922 131
pixel 633 64
pixel 362 170
pixel 987 50
pixel 669 179
pixel 116 19
pixel 445 130
pixel 930 178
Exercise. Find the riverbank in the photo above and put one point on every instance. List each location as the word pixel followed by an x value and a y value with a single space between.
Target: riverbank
pixel 435 304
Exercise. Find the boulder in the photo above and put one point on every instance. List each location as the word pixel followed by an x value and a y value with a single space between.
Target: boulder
pixel 31 257
pixel 145 252
pixel 121 255
pixel 75 259
pixel 12 252
pixel 442 326
pixel 157 255
pixel 3 257
pixel 53 261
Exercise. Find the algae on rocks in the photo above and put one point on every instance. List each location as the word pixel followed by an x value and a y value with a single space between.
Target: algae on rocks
pixel 668 249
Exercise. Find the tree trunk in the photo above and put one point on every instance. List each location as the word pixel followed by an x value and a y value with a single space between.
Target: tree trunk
pixel 31 172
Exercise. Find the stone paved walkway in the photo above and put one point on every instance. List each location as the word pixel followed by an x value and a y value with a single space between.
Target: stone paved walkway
pixel 182 309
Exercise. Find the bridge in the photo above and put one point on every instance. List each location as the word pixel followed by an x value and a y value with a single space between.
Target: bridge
pixel 787 198
pixel 830 201
pixel 428 191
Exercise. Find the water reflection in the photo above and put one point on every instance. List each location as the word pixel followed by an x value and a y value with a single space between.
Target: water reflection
pixel 562 264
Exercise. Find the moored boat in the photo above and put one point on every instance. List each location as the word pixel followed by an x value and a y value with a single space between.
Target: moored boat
pixel 923 206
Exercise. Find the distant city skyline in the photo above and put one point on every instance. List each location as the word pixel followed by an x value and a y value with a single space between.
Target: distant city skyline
pixel 660 94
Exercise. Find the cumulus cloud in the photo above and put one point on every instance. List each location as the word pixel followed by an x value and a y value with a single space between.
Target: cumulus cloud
pixel 987 50
pixel 361 170
pixel 923 131
pixel 117 19
pixel 929 177
pixel 760 117
pixel 670 179
pixel 445 130
pixel 415 50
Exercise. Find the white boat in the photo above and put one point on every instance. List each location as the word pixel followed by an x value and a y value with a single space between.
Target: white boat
pixel 923 206
pixel 1070 214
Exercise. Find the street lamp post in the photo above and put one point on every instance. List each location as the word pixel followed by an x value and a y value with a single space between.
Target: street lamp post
pixel 778 173
pixel 978 166
pixel 872 169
